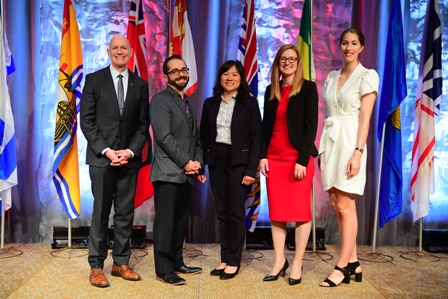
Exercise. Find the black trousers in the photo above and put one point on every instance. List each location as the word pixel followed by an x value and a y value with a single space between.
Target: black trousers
pixel 111 185
pixel 230 195
pixel 172 204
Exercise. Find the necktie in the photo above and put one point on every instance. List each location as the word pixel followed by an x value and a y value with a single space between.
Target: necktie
pixel 120 93
pixel 187 108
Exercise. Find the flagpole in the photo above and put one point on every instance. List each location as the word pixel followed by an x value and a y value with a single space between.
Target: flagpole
pixel 3 221
pixel 378 185
pixel 383 258
pixel 420 236
pixel 69 233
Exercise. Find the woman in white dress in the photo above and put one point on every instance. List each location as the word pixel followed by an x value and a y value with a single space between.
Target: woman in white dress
pixel 350 95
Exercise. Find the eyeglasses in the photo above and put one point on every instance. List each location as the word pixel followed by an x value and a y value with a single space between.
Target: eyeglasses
pixel 176 72
pixel 289 59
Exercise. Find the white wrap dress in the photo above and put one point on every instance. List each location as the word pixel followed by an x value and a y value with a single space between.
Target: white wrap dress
pixel 340 132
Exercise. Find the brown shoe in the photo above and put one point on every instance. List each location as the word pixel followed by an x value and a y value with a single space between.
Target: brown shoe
pixel 125 272
pixel 97 278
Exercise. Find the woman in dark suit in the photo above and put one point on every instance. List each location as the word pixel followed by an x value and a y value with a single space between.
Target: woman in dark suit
pixel 287 151
pixel 230 135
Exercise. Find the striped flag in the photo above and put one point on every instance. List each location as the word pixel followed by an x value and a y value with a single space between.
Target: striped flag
pixel 247 48
pixel 137 63
pixel 305 43
pixel 427 112
pixel 65 160
pixel 8 160
pixel 392 94
pixel 247 52
pixel 181 43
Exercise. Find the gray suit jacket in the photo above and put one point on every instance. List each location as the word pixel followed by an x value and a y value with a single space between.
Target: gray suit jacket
pixel 175 141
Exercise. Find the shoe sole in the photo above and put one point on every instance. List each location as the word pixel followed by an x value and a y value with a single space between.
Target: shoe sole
pixel 100 285
pixel 171 283
pixel 130 279
pixel 191 273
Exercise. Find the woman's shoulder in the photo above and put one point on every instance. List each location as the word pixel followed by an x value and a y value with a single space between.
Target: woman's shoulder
pixel 370 75
pixel 333 74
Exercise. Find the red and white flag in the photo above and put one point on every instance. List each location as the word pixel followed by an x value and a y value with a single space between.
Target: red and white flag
pixel 427 112
pixel 181 43
pixel 137 63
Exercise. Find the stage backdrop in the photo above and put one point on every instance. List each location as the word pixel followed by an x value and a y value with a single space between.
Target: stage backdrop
pixel 34 32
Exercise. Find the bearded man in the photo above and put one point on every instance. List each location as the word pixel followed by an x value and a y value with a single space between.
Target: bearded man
pixel 177 159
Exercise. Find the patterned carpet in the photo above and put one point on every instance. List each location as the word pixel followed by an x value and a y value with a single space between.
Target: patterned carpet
pixel 37 273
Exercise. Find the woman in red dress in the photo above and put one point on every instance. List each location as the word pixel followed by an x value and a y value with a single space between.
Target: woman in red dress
pixel 287 151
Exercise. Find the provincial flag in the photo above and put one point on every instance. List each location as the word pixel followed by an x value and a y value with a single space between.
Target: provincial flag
pixel 393 92
pixel 65 160
pixel 247 52
pixel 181 43
pixel 8 159
pixel 305 43
pixel 427 112
pixel 137 63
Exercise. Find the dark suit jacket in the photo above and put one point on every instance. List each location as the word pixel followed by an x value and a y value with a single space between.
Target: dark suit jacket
pixel 102 124
pixel 245 133
pixel 175 140
pixel 301 114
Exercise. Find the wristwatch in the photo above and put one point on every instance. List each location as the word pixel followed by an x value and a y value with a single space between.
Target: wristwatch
pixel 359 149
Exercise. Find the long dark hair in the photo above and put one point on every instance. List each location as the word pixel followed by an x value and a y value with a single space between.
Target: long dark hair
pixel 243 89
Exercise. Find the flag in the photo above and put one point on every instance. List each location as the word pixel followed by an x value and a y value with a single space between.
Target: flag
pixel 392 94
pixel 427 112
pixel 65 160
pixel 247 47
pixel 247 52
pixel 8 160
pixel 305 43
pixel 137 63
pixel 181 43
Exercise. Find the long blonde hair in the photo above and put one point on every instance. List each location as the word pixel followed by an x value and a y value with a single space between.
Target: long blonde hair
pixel 275 74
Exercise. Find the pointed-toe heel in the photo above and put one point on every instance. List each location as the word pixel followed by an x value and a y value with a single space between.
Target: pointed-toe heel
pixel 275 277
pixel 352 269
pixel 293 281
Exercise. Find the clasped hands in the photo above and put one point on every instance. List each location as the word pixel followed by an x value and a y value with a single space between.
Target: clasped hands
pixel 118 157
pixel 192 167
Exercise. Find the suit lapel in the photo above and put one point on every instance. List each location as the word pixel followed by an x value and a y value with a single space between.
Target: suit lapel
pixel 130 90
pixel 111 88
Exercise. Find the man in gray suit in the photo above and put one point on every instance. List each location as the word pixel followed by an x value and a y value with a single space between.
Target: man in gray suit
pixel 115 122
pixel 177 159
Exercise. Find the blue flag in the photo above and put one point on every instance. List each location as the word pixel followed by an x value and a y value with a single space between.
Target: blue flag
pixel 392 94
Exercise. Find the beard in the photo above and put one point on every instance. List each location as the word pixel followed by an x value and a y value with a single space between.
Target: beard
pixel 178 86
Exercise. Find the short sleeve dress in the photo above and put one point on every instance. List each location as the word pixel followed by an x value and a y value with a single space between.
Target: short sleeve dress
pixel 339 135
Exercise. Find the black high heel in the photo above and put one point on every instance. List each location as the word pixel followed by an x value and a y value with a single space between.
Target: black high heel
pixel 352 269
pixel 275 277
pixel 224 275
pixel 346 279
pixel 293 281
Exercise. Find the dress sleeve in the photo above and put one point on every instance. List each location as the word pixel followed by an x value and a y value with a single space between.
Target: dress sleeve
pixel 369 82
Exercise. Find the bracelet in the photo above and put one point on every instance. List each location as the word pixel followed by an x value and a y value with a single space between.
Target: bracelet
pixel 359 149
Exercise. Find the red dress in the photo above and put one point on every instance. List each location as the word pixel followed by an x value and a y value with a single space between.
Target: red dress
pixel 289 200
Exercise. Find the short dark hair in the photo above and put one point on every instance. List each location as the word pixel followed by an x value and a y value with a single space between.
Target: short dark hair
pixel 165 63
pixel 243 89
pixel 353 30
